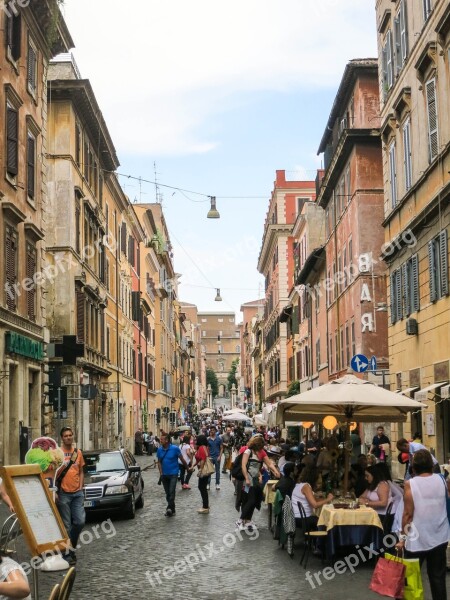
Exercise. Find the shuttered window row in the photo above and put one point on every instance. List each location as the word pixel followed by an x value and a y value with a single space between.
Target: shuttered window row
pixel 405 293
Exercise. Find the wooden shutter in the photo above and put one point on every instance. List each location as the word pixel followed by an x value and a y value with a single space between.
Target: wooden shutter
pixel 11 267
pixel 398 294
pixel 81 316
pixel 31 68
pixel 432 271
pixel 393 174
pixel 403 30
pixel 415 302
pixel 31 289
pixel 78 144
pixel 406 289
pixel 12 119
pixel 77 227
pixel 102 333
pixel 389 60
pixel 443 261
pixel 407 153
pixel 393 298
pixel 123 240
pixel 31 166
pixel 398 44
pixel 385 70
pixel 433 142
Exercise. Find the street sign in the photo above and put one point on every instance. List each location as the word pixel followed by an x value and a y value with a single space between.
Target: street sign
pixel 373 363
pixel 359 363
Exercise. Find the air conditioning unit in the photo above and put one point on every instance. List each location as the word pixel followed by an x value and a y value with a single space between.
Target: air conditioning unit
pixel 412 327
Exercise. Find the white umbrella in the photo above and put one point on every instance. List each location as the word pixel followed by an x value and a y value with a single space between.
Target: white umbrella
pixel 233 411
pixel 236 417
pixel 206 411
pixel 348 399
pixel 259 421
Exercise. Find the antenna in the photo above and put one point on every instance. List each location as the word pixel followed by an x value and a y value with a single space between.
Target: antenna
pixel 158 195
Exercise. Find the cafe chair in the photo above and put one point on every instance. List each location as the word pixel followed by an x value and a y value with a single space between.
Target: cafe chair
pixel 309 535
pixel 54 594
pixel 67 584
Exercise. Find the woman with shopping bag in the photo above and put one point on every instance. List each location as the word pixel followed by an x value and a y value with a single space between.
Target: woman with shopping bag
pixel 425 526
pixel 205 468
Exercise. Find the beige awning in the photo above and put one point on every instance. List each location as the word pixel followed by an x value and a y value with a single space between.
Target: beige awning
pixel 431 387
pixel 408 390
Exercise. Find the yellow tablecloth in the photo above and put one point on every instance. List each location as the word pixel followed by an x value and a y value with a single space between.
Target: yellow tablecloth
pixel 332 517
pixel 269 491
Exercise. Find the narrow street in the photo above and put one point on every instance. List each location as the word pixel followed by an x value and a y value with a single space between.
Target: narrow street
pixel 119 562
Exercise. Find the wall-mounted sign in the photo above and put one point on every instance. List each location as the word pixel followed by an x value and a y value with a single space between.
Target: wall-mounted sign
pixel 25 346
pixel 429 421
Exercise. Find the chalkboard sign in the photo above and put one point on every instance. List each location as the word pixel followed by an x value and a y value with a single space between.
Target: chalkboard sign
pixel 38 515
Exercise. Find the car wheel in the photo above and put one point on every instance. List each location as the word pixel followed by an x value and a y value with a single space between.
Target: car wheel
pixel 130 512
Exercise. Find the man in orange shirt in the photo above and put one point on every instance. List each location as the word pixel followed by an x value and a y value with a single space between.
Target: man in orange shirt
pixel 70 498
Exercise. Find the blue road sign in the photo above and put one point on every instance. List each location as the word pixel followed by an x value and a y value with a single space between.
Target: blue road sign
pixel 359 363
pixel 373 363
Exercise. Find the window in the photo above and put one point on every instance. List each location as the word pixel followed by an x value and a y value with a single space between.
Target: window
pixel 407 153
pixel 401 37
pixel 31 165
pixel 410 273
pixel 342 348
pixel 78 144
pixel 393 174
pixel 348 184
pixel 12 140
pixel 13 31
pixel 433 142
pixel 220 321
pixel 301 203
pixel 388 67
pixel 347 344
pixel 427 8
pixel 336 350
pixel 438 263
pixel 11 252
pixel 318 355
pixel 331 355
pixel 32 69
pixel 353 339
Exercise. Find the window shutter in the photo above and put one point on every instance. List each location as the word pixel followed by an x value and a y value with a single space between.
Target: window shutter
pixel 86 159
pixel 31 166
pixel 12 141
pixel 11 267
pixel 398 44
pixel 16 38
pixel 31 291
pixel 32 63
pixel 393 175
pixel 433 142
pixel 403 30
pixel 390 65
pixel 124 238
pixel 102 333
pixel 407 153
pixel 406 289
pixel 398 294
pixel 432 269
pixel 81 310
pixel 443 262
pixel 415 302
pixel 385 70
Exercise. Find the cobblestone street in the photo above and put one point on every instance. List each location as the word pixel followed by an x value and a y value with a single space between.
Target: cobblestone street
pixel 122 565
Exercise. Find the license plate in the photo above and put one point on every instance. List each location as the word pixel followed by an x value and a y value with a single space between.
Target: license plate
pixel 89 503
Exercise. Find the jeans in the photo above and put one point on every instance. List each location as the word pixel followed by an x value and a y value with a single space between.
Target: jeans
pixel 72 513
pixel 185 475
pixel 436 569
pixel 170 483
pixel 216 463
pixel 202 483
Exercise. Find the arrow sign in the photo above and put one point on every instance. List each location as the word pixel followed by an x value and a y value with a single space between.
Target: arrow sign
pixel 373 363
pixel 359 363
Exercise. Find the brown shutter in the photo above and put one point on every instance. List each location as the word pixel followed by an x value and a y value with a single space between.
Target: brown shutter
pixel 16 37
pixel 81 309
pixel 124 238
pixel 11 141
pixel 31 292
pixel 11 267
pixel 31 166
pixel 32 63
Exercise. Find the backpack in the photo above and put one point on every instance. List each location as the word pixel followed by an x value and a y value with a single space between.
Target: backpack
pixel 236 469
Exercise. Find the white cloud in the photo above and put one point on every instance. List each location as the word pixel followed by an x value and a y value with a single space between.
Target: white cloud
pixel 164 68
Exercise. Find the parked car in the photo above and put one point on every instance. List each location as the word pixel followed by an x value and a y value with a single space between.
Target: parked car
pixel 113 482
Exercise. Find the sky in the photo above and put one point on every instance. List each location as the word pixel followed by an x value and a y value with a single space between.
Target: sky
pixel 212 97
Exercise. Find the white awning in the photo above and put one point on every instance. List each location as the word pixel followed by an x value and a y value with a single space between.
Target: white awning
pixel 408 390
pixel 431 387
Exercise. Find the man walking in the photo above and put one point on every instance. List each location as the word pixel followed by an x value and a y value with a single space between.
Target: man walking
pixel 70 497
pixel 168 455
pixel 215 453
pixel 378 448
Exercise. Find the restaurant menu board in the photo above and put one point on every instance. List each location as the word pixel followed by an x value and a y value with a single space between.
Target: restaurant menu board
pixel 33 503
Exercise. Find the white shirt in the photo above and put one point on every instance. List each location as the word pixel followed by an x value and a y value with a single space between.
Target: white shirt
pixel 430 526
pixel 6 567
pixel 185 448
pixel 298 496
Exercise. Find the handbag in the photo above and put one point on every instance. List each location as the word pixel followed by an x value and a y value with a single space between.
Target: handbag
pixel 388 578
pixel 413 577
pixel 207 469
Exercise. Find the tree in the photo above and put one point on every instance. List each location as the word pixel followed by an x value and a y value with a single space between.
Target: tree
pixel 232 374
pixel 211 378
pixel 293 389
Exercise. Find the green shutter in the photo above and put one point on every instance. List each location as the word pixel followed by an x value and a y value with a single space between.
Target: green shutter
pixel 443 261
pixel 432 271
pixel 415 301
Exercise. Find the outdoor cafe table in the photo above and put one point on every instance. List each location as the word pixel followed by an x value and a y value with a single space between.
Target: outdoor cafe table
pixel 350 527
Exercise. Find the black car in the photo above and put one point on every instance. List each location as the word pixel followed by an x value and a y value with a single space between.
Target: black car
pixel 112 482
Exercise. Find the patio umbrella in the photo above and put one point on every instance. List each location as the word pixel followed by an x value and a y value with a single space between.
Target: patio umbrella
pixel 348 399
pixel 259 421
pixel 234 411
pixel 183 428
pixel 236 417
pixel 206 411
